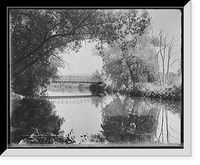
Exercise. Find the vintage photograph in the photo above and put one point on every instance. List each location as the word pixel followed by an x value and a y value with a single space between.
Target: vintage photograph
pixel 96 77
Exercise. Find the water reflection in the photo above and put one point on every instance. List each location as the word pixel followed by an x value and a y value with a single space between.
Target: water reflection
pixel 34 116
pixel 137 120
pixel 123 121
pixel 112 119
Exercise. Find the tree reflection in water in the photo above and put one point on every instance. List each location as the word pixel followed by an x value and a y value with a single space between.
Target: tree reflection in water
pixel 122 123
pixel 137 120
pixel 34 116
pixel 96 100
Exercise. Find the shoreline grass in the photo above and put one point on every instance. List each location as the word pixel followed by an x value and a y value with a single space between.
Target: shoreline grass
pixel 150 90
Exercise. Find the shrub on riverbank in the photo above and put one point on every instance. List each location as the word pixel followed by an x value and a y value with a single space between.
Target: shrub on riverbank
pixel 173 92
pixel 150 90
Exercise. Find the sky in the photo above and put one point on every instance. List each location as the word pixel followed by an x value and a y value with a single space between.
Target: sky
pixel 82 62
pixel 85 62
pixel 169 20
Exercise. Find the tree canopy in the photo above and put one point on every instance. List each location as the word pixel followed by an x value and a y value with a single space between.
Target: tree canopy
pixel 130 59
pixel 39 35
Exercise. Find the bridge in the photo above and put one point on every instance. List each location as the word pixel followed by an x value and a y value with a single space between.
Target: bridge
pixel 75 79
pixel 66 83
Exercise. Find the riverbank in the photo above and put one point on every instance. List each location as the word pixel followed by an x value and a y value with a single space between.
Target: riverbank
pixel 149 90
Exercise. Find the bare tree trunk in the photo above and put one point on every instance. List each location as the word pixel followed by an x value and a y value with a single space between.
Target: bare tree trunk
pixel 162 57
pixel 167 125
pixel 167 74
pixel 169 57
pixel 163 65
pixel 163 46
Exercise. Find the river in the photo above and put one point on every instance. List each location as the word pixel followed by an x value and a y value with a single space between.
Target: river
pixel 93 120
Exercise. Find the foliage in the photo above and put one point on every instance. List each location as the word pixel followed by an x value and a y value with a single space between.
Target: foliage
pixel 97 87
pixel 97 138
pixel 172 78
pixel 151 90
pixel 31 65
pixel 96 76
pixel 30 83
pixel 139 66
pixel 128 59
pixel 48 139
pixel 39 35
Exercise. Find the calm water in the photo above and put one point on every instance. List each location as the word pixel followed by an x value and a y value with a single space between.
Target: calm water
pixel 110 119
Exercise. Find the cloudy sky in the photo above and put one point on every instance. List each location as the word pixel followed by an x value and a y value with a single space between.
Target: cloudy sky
pixel 169 20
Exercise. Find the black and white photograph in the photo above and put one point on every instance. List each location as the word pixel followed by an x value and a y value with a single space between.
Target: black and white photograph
pixel 96 78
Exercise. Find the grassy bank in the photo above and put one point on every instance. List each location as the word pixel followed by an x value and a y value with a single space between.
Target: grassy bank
pixel 149 90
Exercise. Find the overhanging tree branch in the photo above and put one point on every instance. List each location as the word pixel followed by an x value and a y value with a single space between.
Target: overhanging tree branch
pixel 62 61
pixel 59 23
pixel 29 65
pixel 31 53
pixel 53 36
pixel 174 62
pixel 174 53
pixel 26 67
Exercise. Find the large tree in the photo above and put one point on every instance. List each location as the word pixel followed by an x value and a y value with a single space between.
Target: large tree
pixel 38 35
pixel 130 59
